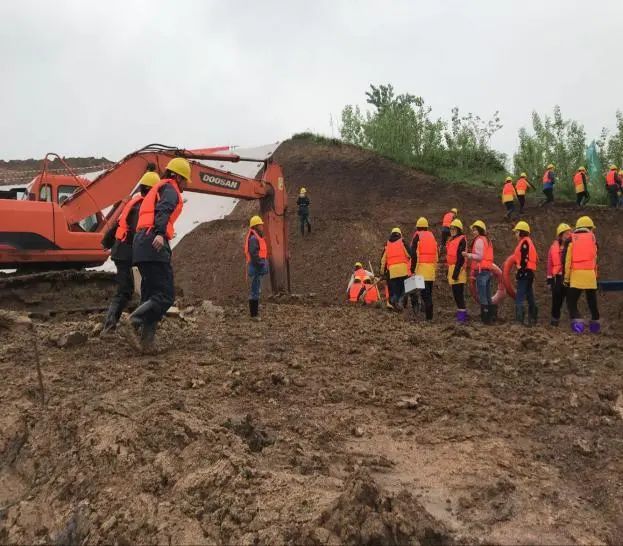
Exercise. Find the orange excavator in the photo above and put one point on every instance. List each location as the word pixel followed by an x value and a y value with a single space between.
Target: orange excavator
pixel 60 219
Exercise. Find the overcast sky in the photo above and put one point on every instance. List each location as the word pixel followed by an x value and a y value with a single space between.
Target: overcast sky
pixel 86 77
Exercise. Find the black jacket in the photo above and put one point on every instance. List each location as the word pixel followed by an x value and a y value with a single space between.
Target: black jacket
pixel 122 250
pixel 303 205
pixel 142 249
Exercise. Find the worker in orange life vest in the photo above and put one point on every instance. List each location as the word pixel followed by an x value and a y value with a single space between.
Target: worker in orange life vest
pixel 581 187
pixel 371 292
pixel 521 188
pixel 395 267
pixel 508 196
pixel 151 250
pixel 358 273
pixel 581 274
pixel 613 186
pixel 256 252
pixel 525 257
pixel 481 257
pixel 119 239
pixel 549 180
pixel 424 258
pixel 356 290
pixel 457 275
pixel 555 276
pixel 445 226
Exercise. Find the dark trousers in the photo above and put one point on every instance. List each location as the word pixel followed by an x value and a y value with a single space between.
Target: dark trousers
pixel 157 287
pixel 522 202
pixel 549 195
pixel 445 233
pixel 558 296
pixel 582 198
pixel 304 221
pixel 396 290
pixel 510 208
pixel 613 197
pixel 123 295
pixel 427 299
pixel 573 296
pixel 458 293
pixel 525 291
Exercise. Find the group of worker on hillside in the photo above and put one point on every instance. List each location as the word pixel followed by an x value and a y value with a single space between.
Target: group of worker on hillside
pixel 517 191
pixel 571 270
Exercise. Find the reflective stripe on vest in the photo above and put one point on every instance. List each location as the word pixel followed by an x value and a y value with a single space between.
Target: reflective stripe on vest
pixel 532 255
pixel 447 219
pixel 555 258
pixel 371 294
pixel 611 178
pixel 452 249
pixel 147 212
pixel 263 254
pixel 546 179
pixel 426 248
pixel 355 290
pixel 395 253
pixel 583 251
pixel 123 229
pixel 487 255
pixel 578 179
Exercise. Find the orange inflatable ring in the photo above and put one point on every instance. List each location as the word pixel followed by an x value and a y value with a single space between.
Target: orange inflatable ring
pixel 501 291
pixel 509 264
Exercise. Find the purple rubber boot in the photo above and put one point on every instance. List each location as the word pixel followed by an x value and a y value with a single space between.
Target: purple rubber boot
pixel 461 316
pixel 594 327
pixel 577 326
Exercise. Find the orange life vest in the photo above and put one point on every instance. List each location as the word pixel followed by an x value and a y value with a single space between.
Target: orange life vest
pixel 360 273
pixel 147 212
pixel 487 257
pixel 583 251
pixel 123 228
pixel 426 248
pixel 262 242
pixel 532 255
pixel 395 253
pixel 555 258
pixel 546 179
pixel 611 178
pixel 452 249
pixel 508 189
pixel 371 294
pixel 447 219
pixel 355 290
pixel 521 186
pixel 578 179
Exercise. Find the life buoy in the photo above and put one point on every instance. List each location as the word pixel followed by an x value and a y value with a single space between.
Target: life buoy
pixel 499 295
pixel 509 264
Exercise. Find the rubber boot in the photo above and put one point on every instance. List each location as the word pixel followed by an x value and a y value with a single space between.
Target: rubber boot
pixel 520 313
pixel 137 321
pixel 112 317
pixel 428 310
pixel 554 322
pixel 148 338
pixel 461 316
pixel 533 315
pixel 594 327
pixel 254 308
pixel 484 314
pixel 493 313
pixel 308 228
pixel 577 326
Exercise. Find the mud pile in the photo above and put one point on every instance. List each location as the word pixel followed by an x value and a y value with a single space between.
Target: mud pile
pixel 357 197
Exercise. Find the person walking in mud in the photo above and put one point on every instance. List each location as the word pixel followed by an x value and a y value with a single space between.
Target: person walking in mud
pixel 521 188
pixel 555 274
pixel 525 258
pixel 549 180
pixel 395 267
pixel 508 197
pixel 580 183
pixel 424 257
pixel 303 204
pixel 119 239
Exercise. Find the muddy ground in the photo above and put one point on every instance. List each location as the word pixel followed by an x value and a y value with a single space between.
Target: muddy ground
pixel 323 424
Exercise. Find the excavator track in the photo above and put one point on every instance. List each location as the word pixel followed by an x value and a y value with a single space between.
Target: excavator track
pixel 53 292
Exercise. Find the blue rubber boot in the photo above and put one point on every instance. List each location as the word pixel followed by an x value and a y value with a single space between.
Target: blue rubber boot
pixel 577 326
pixel 594 327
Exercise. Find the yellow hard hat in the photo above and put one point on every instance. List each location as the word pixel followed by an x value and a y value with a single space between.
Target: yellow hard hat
pixel 397 230
pixel 582 169
pixel 522 226
pixel 562 228
pixel 509 179
pixel 550 166
pixel 421 222
pixel 456 211
pixel 523 175
pixel 585 222
pixel 179 165
pixel 303 190
pixel 256 221
pixel 613 167
pixel 358 264
pixel 149 179
pixel 456 223
pixel 480 224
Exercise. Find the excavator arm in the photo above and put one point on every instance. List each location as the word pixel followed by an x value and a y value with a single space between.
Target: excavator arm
pixel 114 186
